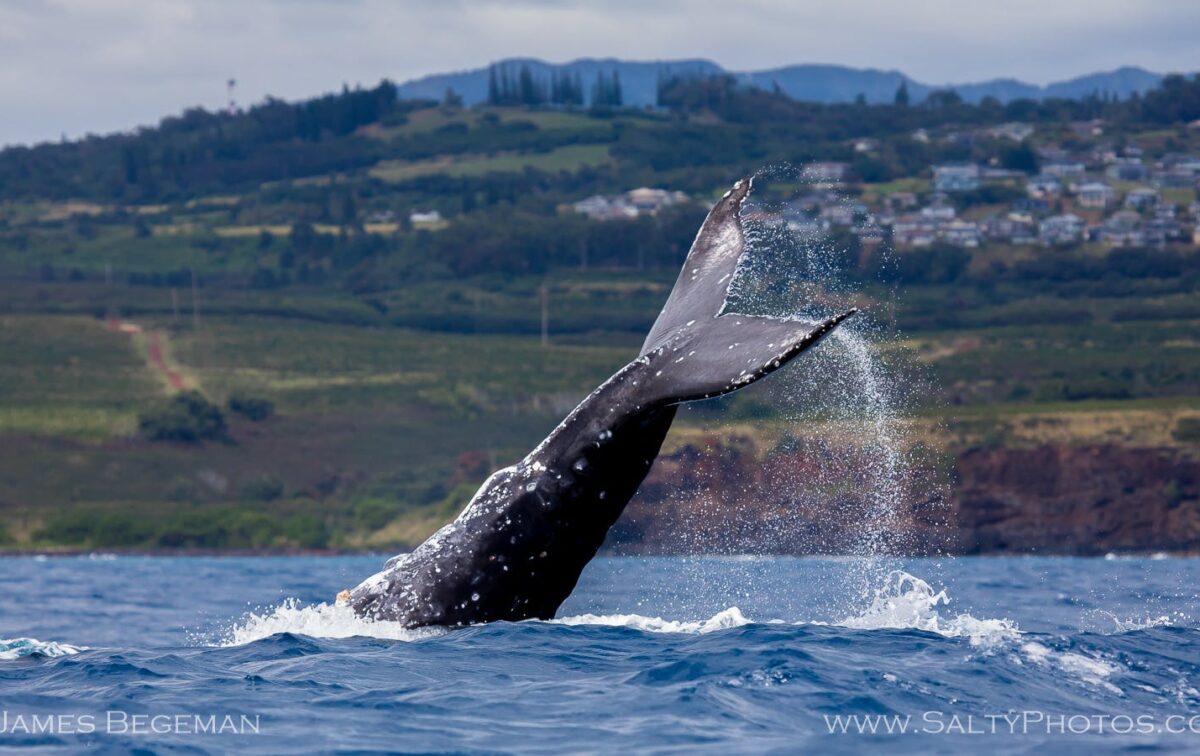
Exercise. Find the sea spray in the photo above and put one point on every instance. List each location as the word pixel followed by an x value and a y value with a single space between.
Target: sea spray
pixel 843 404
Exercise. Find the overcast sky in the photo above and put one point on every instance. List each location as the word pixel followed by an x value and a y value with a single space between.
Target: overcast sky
pixel 76 66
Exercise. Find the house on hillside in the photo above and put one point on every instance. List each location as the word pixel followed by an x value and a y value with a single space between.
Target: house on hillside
pixel 600 208
pixel 1033 206
pixel 1159 231
pixel 1092 128
pixel 649 201
pixel 1060 230
pixel 1142 197
pixel 914 231
pixel 1096 195
pixel 963 233
pixel 1127 169
pixel 424 218
pixel 956 178
pixel 898 201
pixel 1014 228
pixel 1123 229
pixel 826 173
pixel 1017 132
pixel 631 204
pixel 1177 171
pixel 1043 186
pixel 845 213
pixel 1065 171
pixel 939 208
pixel 869 236
pixel 808 229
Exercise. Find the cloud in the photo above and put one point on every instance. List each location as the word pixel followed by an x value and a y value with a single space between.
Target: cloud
pixel 77 66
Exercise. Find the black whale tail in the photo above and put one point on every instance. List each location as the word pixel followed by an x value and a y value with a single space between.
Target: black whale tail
pixel 697 350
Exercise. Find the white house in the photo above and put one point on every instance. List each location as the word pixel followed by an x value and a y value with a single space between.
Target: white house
pixel 419 217
pixel 1096 194
pixel 955 178
pixel 1141 197
pixel 1066 171
pixel 1060 229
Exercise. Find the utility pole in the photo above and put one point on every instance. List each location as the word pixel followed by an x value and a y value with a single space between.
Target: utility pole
pixel 195 304
pixel 544 296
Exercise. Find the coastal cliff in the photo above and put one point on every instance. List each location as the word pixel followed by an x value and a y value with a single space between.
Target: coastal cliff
pixel 723 496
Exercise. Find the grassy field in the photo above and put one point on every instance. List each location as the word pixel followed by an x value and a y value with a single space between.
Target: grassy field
pixel 381 432
pixel 570 158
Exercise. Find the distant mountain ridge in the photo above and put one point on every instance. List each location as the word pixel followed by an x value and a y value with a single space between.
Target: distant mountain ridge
pixel 807 82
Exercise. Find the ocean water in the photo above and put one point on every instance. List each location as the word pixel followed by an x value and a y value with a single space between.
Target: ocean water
pixel 723 655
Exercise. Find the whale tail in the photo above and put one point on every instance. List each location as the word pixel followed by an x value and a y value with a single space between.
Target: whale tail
pixel 699 350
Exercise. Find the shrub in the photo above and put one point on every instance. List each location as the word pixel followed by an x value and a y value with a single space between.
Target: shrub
pixel 263 488
pixel 253 408
pixel 1187 430
pixel 187 416
pixel 96 528
pixel 306 531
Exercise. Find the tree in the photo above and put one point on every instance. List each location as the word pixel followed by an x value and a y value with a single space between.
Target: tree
pixel 1020 158
pixel 943 98
pixel 187 416
pixel 493 92
pixel 529 90
pixel 606 92
pixel 901 98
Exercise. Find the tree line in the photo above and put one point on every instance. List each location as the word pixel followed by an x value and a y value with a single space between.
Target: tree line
pixel 565 89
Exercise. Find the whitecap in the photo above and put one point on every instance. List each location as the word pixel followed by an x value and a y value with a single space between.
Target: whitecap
pixel 906 602
pixel 723 620
pixel 1086 669
pixel 316 621
pixel 17 648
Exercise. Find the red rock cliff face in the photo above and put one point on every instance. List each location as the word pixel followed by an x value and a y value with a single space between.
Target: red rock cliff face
pixel 726 497
pixel 1077 500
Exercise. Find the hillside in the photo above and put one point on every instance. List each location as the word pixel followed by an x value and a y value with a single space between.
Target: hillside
pixel 353 286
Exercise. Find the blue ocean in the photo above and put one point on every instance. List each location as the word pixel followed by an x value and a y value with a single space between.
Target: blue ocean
pixel 667 655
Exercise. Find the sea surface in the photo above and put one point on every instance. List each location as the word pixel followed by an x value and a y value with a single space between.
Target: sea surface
pixel 669 655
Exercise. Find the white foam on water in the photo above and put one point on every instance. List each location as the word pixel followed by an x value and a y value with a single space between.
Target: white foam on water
pixel 906 602
pixel 19 648
pixel 1131 624
pixel 724 620
pixel 1085 669
pixel 316 621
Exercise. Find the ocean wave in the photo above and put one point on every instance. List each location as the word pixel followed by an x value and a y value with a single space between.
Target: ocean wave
pixel 1083 668
pixel 723 620
pixel 316 621
pixel 19 648
pixel 906 602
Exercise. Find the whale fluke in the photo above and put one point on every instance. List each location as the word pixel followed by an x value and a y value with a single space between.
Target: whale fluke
pixel 516 551
pixel 702 351
pixel 708 270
